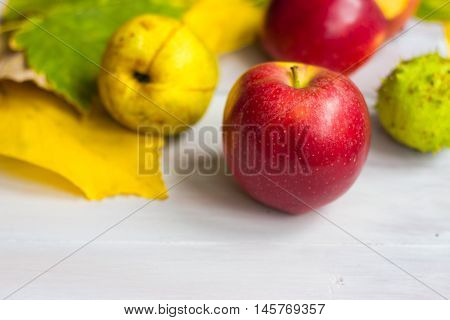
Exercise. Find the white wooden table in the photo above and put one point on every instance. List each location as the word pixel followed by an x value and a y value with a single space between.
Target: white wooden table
pixel 210 241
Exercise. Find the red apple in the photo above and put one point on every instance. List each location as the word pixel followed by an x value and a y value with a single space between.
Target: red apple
pixel 295 136
pixel 336 34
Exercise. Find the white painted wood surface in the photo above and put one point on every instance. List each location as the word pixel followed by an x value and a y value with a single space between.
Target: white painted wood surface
pixel 210 241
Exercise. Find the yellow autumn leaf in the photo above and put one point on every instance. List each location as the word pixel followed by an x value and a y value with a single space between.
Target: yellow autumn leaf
pixel 225 26
pixel 94 153
pixel 38 176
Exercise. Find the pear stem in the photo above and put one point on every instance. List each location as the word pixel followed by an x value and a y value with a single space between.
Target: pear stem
pixel 295 77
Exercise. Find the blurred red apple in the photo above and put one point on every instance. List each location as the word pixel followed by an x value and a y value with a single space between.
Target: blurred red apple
pixel 295 136
pixel 336 34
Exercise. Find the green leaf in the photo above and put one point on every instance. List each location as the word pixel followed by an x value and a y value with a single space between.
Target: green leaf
pixel 15 9
pixel 66 45
pixel 435 10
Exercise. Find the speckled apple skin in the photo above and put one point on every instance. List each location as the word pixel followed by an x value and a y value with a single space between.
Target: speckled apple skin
pixel 336 34
pixel 330 119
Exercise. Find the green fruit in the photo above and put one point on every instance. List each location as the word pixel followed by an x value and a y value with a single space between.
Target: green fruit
pixel 435 10
pixel 414 103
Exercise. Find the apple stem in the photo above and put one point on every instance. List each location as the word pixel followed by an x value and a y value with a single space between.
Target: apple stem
pixel 295 77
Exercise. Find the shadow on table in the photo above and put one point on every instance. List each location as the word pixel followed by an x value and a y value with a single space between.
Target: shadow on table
pixel 222 194
pixel 37 179
pixel 386 151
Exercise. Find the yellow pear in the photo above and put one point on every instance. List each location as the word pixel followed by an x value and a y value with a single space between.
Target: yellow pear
pixel 157 76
